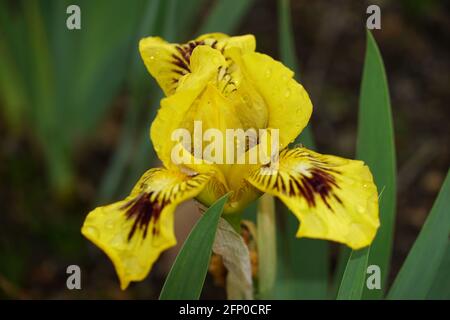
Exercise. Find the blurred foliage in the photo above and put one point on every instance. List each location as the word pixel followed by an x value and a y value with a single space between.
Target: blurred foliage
pixel 64 77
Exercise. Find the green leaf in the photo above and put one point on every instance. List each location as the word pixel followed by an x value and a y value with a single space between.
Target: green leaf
pixel 375 146
pixel 303 263
pixel 186 278
pixel 225 16
pixel 342 260
pixel 440 289
pixel 422 264
pixel 354 277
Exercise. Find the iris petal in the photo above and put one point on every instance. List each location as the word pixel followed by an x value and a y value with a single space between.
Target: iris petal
pixel 133 232
pixel 334 198
pixel 289 106
pixel 168 62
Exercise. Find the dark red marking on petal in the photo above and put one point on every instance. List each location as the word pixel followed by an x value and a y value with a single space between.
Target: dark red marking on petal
pixel 186 50
pixel 143 211
pixel 183 58
pixel 179 62
pixel 319 182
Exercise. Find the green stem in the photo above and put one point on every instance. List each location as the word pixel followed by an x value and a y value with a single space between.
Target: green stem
pixel 267 246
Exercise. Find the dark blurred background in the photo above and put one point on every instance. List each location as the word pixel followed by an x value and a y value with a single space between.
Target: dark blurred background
pixel 75 108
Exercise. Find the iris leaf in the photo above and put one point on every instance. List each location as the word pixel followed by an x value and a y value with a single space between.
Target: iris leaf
pixel 186 278
pixel 376 147
pixel 353 280
pixel 421 267
pixel 440 289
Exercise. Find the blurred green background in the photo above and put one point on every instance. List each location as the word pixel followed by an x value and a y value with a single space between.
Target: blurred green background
pixel 76 105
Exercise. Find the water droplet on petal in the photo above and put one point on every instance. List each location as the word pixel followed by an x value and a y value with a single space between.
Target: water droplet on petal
pixel 109 224
pixel 117 241
pixel 155 54
pixel 92 231
pixel 268 73
pixel 132 265
pixel 360 209
pixel 287 93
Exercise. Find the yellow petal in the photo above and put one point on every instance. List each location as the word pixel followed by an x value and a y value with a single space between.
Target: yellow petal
pixel 288 103
pixel 164 61
pixel 334 198
pixel 168 63
pixel 205 62
pixel 239 199
pixel 223 42
pixel 133 232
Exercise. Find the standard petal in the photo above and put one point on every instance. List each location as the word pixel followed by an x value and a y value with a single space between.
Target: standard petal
pixel 168 62
pixel 133 232
pixel 289 106
pixel 223 42
pixel 334 198
pixel 164 61
pixel 174 109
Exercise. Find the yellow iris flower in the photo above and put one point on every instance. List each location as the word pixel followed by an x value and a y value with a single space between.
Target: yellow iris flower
pixel 224 83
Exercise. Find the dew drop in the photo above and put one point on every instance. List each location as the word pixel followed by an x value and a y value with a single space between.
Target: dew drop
pixel 360 209
pixel 155 54
pixel 117 241
pixel 287 93
pixel 109 224
pixel 92 231
pixel 268 73
pixel 132 265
